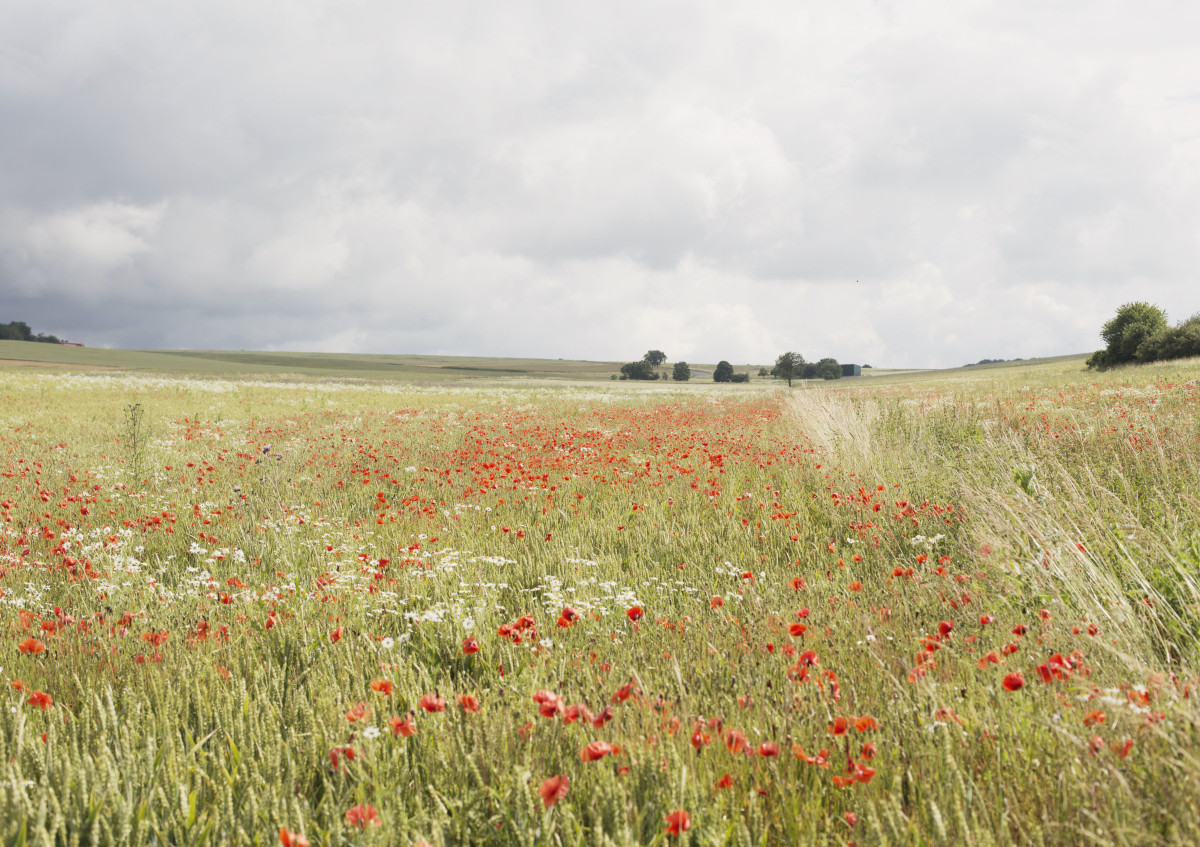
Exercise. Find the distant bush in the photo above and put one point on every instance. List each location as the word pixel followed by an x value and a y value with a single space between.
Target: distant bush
pixel 988 362
pixel 742 377
pixel 827 369
pixel 638 370
pixel 20 331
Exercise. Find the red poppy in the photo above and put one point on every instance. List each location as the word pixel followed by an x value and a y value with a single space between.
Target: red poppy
pixel 40 699
pixel 577 712
pixel 945 628
pixel 855 772
pixel 634 613
pixel 468 703
pixel 769 749
pixel 725 781
pixel 383 686
pixel 1014 682
pixel 363 816
pixel 797 629
pixel 336 635
pixel 735 741
pixel 403 725
pixel 337 754
pixel 678 821
pixel 469 646
pixel 866 723
pixel 992 658
pixel 624 692
pixel 840 726
pixel 554 789
pixel 31 645
pixel 291 839
pixel 595 750
pixel 549 704
pixel 820 760
pixel 359 712
pixel 432 703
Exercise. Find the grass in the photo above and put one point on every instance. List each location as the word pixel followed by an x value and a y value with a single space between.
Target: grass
pixel 420 369
pixel 796 616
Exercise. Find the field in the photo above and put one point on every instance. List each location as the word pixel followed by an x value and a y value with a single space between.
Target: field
pixel 944 608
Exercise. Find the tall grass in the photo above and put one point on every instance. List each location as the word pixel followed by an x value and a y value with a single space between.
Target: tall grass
pixel 232 633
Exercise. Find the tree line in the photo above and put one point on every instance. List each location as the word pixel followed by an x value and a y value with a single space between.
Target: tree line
pixel 788 366
pixel 20 331
pixel 1140 333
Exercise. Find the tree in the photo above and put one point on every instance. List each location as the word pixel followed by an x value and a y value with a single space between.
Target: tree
pixel 681 373
pixel 828 369
pixel 788 366
pixel 1177 342
pixel 723 372
pixel 638 370
pixel 20 331
pixel 16 331
pixel 1133 324
pixel 654 357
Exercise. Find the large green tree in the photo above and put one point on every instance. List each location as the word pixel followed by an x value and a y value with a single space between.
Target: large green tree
pixel 723 372
pixel 681 372
pixel 655 357
pixel 829 369
pixel 788 366
pixel 1134 324
pixel 638 370
pixel 20 331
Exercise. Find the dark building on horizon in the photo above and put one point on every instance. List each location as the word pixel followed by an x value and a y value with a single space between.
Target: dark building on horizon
pixel 851 370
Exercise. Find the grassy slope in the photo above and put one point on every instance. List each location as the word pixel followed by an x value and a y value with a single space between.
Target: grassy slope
pixel 261 363
pixel 439 369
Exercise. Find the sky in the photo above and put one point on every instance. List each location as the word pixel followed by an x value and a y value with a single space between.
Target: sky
pixel 902 184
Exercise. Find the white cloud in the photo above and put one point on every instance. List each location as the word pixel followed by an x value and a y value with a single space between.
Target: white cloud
pixel 901 183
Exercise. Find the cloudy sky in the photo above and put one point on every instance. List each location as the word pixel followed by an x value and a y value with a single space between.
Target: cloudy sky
pixel 899 183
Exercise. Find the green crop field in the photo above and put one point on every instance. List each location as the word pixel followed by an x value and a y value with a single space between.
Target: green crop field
pixel 427 369
pixel 264 598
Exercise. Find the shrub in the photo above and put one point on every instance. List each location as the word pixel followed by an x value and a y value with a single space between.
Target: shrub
pixel 1139 333
pixel 639 370
pixel 1133 325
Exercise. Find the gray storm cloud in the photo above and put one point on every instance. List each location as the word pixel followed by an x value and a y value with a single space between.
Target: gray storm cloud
pixel 899 183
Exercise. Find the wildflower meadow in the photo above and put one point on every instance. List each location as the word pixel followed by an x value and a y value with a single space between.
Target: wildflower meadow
pixel 949 609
